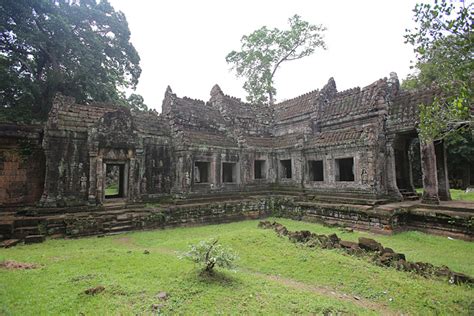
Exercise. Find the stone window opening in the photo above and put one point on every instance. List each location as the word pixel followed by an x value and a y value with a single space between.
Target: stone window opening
pixel 114 181
pixel 285 166
pixel 260 169
pixel 316 170
pixel 202 171
pixel 345 169
pixel 229 172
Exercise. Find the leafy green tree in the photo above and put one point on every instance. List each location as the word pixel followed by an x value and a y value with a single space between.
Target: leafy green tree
pixel 443 43
pixel 136 102
pixel 460 150
pixel 210 254
pixel 80 48
pixel 264 50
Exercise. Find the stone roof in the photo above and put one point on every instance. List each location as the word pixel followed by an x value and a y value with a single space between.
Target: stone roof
pixel 70 116
pixel 354 101
pixel 283 141
pixel 404 108
pixel 206 138
pixel 150 123
pixel 303 104
pixel 195 114
pixel 67 115
pixel 337 137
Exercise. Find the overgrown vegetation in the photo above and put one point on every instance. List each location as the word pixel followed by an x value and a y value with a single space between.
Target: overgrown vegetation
pixel 274 276
pixel 210 254
pixel 443 43
pixel 78 48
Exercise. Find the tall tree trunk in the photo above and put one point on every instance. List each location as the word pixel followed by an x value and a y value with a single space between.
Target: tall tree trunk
pixel 270 98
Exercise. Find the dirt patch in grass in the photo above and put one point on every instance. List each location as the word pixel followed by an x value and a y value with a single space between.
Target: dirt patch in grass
pixel 325 291
pixel 95 290
pixel 125 240
pixel 14 265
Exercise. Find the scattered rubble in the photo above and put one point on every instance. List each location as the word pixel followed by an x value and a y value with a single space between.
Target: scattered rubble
pixel 369 247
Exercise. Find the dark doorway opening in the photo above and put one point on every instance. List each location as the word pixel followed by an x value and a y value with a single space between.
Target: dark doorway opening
pixel 202 171
pixel 408 172
pixel 114 181
pixel 229 172
pixel 345 169
pixel 316 170
pixel 285 166
pixel 260 169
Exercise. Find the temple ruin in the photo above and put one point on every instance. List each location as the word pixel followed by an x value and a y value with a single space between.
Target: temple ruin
pixel 349 147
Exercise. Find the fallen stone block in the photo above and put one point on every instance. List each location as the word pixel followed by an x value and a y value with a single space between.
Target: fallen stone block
pixel 9 243
pixel 369 244
pixel 458 278
pixel 388 258
pixel 34 239
pixel 348 244
pixel 300 236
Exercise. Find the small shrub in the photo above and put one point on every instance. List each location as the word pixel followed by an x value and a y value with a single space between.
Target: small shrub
pixel 210 254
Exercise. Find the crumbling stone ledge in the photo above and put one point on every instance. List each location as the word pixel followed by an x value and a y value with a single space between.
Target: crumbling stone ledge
pixel 379 255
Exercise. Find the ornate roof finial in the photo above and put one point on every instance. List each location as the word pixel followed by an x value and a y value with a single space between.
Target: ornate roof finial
pixel 393 84
pixel 216 90
pixel 329 90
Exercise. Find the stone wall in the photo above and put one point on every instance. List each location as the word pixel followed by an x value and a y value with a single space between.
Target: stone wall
pixel 82 141
pixel 76 222
pixel 352 134
pixel 22 165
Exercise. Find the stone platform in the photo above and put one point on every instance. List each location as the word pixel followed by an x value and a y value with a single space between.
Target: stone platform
pixel 453 219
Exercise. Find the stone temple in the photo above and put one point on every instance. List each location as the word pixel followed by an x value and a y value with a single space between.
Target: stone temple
pixel 338 157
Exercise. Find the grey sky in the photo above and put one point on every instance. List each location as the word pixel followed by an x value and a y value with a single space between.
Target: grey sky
pixel 183 43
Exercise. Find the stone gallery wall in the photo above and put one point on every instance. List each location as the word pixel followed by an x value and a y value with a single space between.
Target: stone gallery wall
pixel 22 164
pixel 325 141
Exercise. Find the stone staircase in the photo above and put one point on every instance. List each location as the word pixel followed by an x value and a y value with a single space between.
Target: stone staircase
pixel 409 195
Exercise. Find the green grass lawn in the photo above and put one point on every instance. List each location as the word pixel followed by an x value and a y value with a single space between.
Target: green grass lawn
pixel 456 195
pixel 112 190
pixel 274 275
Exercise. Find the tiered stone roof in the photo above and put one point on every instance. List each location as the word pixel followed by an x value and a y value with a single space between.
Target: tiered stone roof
pixel 67 115
pixel 404 108
pixel 303 104
pixel 226 121
pixel 336 138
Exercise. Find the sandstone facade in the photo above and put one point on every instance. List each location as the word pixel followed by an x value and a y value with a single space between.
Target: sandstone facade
pixel 352 144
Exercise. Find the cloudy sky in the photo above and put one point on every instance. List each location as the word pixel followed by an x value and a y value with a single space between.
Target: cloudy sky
pixel 183 43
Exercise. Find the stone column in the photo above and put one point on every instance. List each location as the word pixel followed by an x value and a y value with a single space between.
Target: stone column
pixel 142 180
pixel 100 178
pixel 442 166
pixel 410 165
pixel 92 179
pixel 48 198
pixel 130 186
pixel 391 175
pixel 430 177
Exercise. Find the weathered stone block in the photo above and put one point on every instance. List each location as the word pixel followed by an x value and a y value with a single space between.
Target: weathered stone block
pixel 34 239
pixel 369 244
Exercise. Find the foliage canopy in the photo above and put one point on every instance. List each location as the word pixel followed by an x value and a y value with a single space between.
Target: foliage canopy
pixel 443 43
pixel 78 48
pixel 263 51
